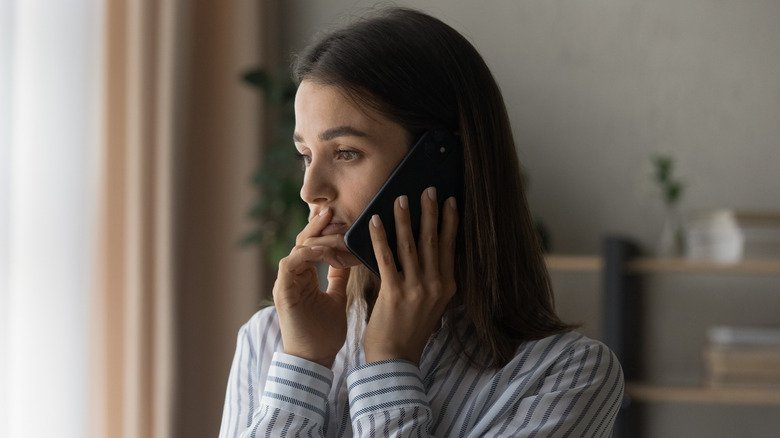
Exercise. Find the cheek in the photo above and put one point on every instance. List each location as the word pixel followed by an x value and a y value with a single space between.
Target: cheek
pixel 365 187
pixel 359 202
pixel 359 198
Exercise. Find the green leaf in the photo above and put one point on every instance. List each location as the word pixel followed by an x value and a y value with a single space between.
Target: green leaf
pixel 674 192
pixel 257 78
pixel 670 188
pixel 251 239
pixel 663 167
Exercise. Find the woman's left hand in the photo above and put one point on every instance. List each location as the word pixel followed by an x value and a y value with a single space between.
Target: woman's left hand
pixel 411 302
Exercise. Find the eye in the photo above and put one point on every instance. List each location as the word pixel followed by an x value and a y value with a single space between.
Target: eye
pixel 303 158
pixel 346 155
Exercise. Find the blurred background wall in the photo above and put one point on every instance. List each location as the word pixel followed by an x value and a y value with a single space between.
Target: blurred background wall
pixel 595 88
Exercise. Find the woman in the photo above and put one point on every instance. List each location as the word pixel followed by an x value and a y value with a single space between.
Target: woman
pixel 464 339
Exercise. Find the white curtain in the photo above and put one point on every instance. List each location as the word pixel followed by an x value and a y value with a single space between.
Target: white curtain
pixel 127 144
pixel 50 94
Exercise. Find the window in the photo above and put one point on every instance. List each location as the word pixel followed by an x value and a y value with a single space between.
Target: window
pixel 49 136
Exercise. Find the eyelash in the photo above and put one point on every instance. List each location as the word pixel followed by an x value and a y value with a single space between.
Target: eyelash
pixel 342 152
pixel 306 159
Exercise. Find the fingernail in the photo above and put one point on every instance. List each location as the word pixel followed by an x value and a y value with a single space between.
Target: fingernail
pixel 452 202
pixel 404 201
pixel 316 249
pixel 340 260
pixel 375 221
pixel 432 193
pixel 323 211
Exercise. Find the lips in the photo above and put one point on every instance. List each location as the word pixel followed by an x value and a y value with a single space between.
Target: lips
pixel 334 228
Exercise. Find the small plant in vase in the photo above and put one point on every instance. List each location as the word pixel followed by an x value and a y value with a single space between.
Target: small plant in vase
pixel 278 210
pixel 671 243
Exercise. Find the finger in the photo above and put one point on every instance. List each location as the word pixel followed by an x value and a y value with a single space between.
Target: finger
pixel 448 240
pixel 335 252
pixel 428 244
pixel 300 259
pixel 315 226
pixel 382 252
pixel 336 258
pixel 405 245
pixel 337 283
pixel 335 241
pixel 298 266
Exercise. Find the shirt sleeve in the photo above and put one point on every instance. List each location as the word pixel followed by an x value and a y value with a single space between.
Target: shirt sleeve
pixel 388 398
pixel 579 395
pixel 297 392
pixel 270 393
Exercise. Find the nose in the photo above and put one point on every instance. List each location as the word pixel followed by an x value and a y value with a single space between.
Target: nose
pixel 317 186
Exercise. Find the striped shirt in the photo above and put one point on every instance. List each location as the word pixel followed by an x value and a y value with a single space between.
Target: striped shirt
pixel 563 385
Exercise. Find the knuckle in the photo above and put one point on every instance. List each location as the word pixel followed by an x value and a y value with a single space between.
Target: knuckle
pixel 406 246
pixel 417 293
pixel 451 288
pixel 286 262
pixel 377 236
pixel 385 257
pixel 436 288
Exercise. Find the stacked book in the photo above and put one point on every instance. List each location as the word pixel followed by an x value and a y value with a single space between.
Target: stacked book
pixel 746 357
pixel 761 235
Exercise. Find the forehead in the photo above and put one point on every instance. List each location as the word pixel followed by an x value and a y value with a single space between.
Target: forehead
pixel 320 107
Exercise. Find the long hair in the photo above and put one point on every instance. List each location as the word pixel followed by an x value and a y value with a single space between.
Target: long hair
pixel 421 73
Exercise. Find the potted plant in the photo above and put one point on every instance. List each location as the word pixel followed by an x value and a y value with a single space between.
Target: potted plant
pixel 278 210
pixel 671 190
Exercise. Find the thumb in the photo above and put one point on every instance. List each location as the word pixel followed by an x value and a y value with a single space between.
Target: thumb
pixel 337 283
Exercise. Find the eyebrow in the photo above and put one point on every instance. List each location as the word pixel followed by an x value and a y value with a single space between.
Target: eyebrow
pixel 339 131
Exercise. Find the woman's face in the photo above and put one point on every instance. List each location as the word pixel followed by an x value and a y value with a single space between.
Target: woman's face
pixel 348 152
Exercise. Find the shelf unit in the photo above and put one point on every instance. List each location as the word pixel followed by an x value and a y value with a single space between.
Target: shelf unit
pixel 621 268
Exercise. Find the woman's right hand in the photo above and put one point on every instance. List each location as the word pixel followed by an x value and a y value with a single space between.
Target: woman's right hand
pixel 313 322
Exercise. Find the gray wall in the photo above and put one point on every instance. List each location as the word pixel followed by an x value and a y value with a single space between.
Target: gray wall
pixel 594 89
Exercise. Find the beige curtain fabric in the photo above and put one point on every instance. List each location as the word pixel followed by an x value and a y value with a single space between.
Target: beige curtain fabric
pixel 134 362
pixel 182 137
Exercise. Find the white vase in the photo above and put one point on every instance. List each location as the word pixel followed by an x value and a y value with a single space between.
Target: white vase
pixel 714 236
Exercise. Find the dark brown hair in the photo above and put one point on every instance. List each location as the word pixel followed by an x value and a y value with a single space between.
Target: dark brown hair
pixel 421 73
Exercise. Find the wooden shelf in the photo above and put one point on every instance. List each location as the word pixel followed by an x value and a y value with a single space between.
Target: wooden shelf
pixel 692 394
pixel 658 265
pixel 557 262
pixel 644 265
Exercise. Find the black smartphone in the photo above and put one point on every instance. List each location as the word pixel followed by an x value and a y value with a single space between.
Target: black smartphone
pixel 435 160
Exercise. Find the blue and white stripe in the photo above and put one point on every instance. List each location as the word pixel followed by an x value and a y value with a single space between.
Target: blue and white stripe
pixel 564 385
